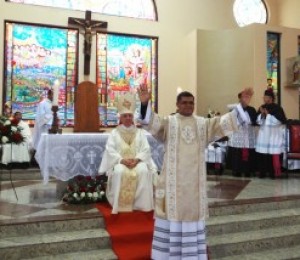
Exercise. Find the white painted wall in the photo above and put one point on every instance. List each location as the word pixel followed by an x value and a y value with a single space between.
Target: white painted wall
pixel 225 67
pixel 235 59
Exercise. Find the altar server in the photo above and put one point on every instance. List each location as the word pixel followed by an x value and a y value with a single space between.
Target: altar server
pixel 270 139
pixel 43 119
pixel 241 144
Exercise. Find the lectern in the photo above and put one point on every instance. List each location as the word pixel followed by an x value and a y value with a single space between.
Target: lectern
pixel 86 108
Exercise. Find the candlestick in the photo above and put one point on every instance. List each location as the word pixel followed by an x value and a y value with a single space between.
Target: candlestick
pixel 55 127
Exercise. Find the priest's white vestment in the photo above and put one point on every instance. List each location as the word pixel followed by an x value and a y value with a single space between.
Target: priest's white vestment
pixel 43 120
pixel 180 196
pixel 128 189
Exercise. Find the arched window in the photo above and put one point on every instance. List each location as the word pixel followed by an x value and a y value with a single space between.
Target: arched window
pixel 142 9
pixel 250 11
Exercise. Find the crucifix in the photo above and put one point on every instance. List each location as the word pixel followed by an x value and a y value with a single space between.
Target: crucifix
pixel 88 28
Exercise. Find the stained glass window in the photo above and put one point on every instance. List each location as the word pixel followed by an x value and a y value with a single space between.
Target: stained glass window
pixel 143 9
pixel 123 63
pixel 37 57
pixel 250 11
pixel 273 63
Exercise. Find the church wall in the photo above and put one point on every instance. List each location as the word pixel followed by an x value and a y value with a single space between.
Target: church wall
pixel 231 60
pixel 225 67
pixel 289 13
pixel 289 48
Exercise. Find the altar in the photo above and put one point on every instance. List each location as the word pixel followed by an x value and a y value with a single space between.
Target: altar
pixel 64 156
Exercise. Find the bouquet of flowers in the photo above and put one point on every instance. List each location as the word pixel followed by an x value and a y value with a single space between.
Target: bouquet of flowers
pixel 10 132
pixel 86 189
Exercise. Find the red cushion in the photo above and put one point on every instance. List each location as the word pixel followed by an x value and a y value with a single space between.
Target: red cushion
pixel 295 138
pixel 295 156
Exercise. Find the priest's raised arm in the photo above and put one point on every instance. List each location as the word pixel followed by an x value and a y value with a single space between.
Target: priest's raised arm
pixel 158 125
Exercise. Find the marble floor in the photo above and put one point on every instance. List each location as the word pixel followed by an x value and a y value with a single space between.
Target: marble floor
pixel 37 200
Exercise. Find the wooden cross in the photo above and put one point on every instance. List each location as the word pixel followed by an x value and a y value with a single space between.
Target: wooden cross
pixel 89 27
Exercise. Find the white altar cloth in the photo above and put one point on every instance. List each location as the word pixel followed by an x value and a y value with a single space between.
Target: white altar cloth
pixel 64 156
pixel 17 153
pixel 216 154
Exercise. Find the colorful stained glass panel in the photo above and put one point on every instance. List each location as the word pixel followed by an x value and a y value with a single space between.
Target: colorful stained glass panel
pixel 37 57
pixel 123 63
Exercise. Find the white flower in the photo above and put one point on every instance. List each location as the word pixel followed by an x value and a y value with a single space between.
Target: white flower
pixel 89 194
pixel 7 122
pixel 4 139
pixel 82 194
pixel 14 129
pixel 95 194
pixel 102 193
pixel 75 195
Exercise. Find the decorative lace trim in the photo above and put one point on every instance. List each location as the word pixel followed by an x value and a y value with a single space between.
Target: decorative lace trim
pixel 187 134
pixel 171 167
pixel 228 123
pixel 201 129
pixel 155 124
pixel 127 134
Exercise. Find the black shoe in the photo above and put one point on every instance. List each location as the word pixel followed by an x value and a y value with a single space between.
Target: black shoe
pixel 261 175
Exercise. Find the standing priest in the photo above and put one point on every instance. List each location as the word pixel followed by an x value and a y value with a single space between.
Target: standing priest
pixel 43 119
pixel 180 196
pixel 128 163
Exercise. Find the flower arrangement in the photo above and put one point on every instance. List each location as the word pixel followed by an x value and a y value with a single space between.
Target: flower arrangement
pixel 86 189
pixel 10 132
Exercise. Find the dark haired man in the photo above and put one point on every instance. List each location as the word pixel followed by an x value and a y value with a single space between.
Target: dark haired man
pixel 18 153
pixel 241 144
pixel 270 139
pixel 180 194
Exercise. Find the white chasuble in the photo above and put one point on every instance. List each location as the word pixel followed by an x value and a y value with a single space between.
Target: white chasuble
pixel 128 189
pixel 181 188
pixel 128 179
pixel 43 121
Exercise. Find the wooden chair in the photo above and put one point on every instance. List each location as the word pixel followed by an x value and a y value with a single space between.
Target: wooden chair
pixel 292 141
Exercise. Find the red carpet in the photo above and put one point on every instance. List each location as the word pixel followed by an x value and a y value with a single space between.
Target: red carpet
pixel 131 233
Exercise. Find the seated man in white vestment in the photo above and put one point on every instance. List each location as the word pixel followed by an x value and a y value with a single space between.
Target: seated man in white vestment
pixel 43 119
pixel 127 162
pixel 19 153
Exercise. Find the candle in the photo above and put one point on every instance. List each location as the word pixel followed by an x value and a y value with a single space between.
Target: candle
pixel 179 90
pixel 55 93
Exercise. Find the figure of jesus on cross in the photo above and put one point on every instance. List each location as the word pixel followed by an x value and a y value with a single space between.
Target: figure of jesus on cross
pixel 89 27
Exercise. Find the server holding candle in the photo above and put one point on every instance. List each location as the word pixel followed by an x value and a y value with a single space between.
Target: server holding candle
pixel 44 116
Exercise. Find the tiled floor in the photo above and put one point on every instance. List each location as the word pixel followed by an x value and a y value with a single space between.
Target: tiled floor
pixel 37 200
